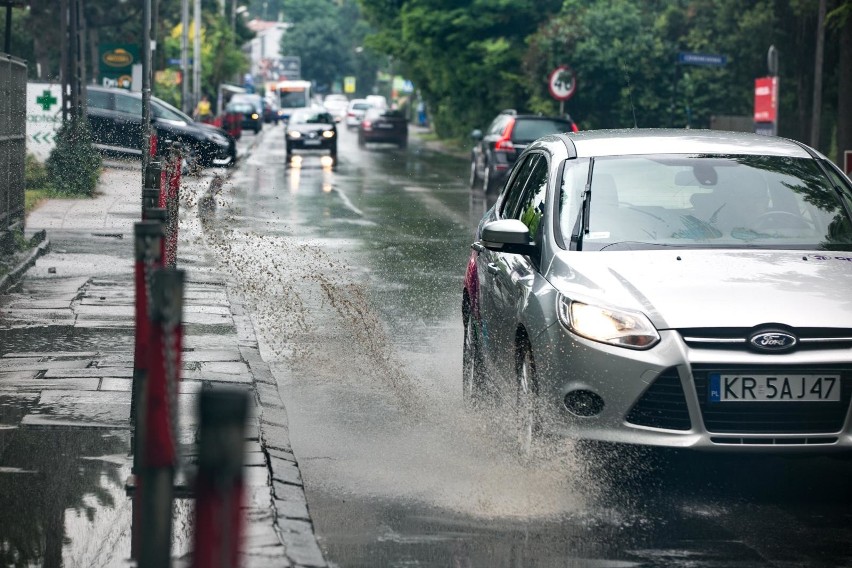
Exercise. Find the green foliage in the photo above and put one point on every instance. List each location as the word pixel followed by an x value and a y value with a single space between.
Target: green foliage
pixel 36 176
pixel 74 165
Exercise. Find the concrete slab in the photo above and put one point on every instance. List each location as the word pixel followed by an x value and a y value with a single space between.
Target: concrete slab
pixel 36 385
pixel 94 409
pixel 211 355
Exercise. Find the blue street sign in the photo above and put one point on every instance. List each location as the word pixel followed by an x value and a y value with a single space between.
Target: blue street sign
pixel 173 61
pixel 709 59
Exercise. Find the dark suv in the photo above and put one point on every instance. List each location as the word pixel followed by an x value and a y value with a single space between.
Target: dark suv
pixel 495 151
pixel 115 118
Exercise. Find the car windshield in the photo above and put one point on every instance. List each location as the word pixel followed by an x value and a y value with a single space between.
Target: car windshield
pixel 240 107
pixel 311 117
pixel 527 130
pixel 709 201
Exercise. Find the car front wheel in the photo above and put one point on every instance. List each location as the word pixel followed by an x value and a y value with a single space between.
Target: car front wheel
pixel 527 408
pixel 488 184
pixel 472 375
pixel 474 179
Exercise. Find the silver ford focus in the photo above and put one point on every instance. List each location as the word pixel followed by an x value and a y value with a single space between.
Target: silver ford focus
pixel 679 288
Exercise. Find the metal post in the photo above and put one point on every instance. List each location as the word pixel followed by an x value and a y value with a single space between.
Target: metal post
pixel 219 483
pixel 155 490
pixel 152 186
pixel 146 88
pixel 196 54
pixel 7 42
pixel 184 57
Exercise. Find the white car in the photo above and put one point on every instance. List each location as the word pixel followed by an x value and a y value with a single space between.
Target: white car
pixel 355 112
pixel 336 105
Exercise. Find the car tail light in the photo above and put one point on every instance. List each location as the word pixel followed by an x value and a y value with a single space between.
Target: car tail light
pixel 504 143
pixel 574 127
pixel 367 125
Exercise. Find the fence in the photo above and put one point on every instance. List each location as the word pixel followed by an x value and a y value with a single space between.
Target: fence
pixel 13 123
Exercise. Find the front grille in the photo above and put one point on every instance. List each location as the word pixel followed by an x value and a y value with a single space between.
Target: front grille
pixel 736 338
pixel 663 405
pixel 810 441
pixel 773 417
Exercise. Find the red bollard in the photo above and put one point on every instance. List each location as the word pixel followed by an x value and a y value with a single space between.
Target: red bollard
pixel 219 483
pixel 158 454
pixel 171 190
pixel 149 257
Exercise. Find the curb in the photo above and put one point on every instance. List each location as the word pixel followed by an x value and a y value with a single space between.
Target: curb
pixel 14 276
pixel 291 519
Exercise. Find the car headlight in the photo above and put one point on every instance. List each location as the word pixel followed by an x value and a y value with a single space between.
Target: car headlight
pixel 254 116
pixel 614 326
pixel 294 134
pixel 217 138
pixel 328 133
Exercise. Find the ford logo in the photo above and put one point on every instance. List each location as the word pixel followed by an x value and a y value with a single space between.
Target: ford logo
pixel 773 340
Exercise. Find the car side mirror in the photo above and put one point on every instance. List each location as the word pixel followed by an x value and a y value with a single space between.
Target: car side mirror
pixel 508 235
pixel 476 134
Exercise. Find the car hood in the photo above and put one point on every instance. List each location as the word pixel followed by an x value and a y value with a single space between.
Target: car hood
pixel 693 288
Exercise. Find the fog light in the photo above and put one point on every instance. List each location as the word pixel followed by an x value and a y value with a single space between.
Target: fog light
pixel 583 403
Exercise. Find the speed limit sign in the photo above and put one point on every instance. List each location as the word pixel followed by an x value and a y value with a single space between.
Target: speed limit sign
pixel 562 83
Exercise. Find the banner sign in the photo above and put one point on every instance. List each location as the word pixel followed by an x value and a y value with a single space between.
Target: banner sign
pixel 115 64
pixel 44 117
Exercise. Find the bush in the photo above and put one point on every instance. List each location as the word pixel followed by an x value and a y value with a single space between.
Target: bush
pixel 35 174
pixel 74 165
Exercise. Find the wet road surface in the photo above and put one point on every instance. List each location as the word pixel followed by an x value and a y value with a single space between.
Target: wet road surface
pixel 353 276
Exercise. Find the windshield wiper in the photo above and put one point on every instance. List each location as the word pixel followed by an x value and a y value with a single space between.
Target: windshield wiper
pixel 581 227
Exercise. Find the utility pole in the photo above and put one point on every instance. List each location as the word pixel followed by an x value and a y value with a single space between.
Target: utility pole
pixel 184 56
pixel 196 54
pixel 816 113
pixel 146 88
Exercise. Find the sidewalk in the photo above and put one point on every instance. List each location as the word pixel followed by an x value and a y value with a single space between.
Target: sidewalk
pixel 66 365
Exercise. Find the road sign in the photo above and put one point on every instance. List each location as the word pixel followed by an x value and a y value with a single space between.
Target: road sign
pixel 349 85
pixel 44 117
pixel 562 83
pixel 706 59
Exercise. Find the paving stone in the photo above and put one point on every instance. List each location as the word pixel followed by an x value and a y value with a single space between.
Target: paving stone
pixel 34 385
pixel 227 367
pixel 285 471
pixel 201 375
pixel 274 416
pixel 282 454
pixel 16 375
pixel 254 458
pixel 32 354
pixel 258 535
pixel 35 364
pixel 303 549
pixel 256 475
pixel 117 372
pixel 210 355
pixel 206 319
pixel 275 437
pixel 291 509
pixel 116 384
pixel 93 409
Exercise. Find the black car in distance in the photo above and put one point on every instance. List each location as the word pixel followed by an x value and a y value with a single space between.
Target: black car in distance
pixel 251 119
pixel 496 150
pixel 311 129
pixel 115 119
pixel 383 125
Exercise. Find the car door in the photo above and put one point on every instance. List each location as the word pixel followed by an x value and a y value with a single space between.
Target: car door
pixel 491 265
pixel 514 275
pixel 100 112
pixel 128 121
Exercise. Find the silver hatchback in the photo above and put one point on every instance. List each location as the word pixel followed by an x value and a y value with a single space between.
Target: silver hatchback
pixel 675 288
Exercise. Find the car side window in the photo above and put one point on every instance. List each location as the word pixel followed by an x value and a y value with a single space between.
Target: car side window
pixel 99 99
pixel 129 105
pixel 515 190
pixel 533 200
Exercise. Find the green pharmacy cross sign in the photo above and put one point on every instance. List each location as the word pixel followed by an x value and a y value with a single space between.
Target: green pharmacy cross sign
pixel 46 100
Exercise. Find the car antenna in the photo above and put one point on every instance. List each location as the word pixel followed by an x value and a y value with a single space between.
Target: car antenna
pixel 630 93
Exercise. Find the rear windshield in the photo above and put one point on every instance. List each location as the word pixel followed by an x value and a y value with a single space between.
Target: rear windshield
pixel 527 130
pixel 713 201
pixel 362 106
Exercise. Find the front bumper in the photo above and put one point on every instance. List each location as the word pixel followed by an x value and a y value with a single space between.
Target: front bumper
pixel 660 397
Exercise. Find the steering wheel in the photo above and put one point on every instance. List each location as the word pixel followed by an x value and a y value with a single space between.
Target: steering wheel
pixel 780 220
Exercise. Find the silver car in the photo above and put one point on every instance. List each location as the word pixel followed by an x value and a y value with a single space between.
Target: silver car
pixel 679 288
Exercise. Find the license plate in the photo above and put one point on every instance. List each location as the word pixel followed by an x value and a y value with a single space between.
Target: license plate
pixel 383 125
pixel 774 388
pixel 312 142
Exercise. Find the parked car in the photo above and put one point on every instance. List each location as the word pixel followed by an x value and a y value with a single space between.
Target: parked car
pixel 115 119
pixel 311 129
pixel 355 112
pixel 251 119
pixel 377 101
pixel 676 288
pixel 382 125
pixel 336 105
pixel 495 151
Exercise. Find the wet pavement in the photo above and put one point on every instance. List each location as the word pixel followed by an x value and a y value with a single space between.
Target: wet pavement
pixel 352 276
pixel 66 365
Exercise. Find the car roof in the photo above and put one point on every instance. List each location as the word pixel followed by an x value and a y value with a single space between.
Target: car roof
pixel 638 141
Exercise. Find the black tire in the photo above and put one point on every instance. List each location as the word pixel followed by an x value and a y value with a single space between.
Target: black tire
pixel 474 178
pixel 528 421
pixel 473 378
pixel 403 143
pixel 488 183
